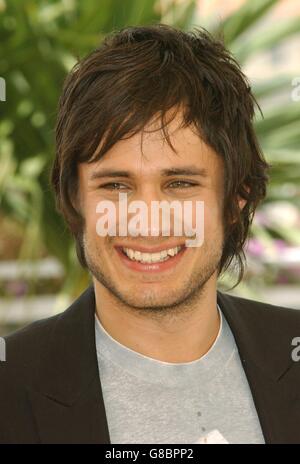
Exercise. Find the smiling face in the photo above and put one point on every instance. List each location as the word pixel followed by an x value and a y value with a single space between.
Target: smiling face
pixel 195 173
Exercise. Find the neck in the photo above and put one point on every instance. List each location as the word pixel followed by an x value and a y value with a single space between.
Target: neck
pixel 178 337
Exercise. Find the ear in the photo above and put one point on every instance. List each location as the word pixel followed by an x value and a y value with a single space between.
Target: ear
pixel 241 202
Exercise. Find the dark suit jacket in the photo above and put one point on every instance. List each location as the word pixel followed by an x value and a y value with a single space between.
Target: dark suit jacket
pixel 50 390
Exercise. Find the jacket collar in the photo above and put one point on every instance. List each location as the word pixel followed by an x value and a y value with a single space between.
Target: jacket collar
pixel 70 363
pixel 263 335
pixel 66 396
pixel 258 333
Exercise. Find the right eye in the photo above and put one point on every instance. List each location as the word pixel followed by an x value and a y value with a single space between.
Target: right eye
pixel 113 186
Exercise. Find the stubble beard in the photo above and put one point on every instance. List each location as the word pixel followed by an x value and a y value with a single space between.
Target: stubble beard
pixel 178 302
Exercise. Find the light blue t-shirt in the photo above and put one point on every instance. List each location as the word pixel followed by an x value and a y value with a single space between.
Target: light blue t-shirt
pixel 148 401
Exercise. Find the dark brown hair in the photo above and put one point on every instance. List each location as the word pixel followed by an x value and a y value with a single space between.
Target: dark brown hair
pixel 144 71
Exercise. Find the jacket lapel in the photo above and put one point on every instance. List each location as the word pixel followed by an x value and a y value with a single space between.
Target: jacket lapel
pixel 84 421
pixel 67 398
pixel 263 336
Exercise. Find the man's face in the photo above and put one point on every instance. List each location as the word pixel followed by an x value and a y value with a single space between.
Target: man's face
pixel 179 278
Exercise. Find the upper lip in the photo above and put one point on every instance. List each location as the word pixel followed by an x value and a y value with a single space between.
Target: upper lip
pixel 144 249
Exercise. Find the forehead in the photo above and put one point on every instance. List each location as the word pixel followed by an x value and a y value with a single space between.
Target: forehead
pixel 149 153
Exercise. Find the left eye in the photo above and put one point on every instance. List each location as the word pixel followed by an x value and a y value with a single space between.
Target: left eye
pixel 111 186
pixel 181 182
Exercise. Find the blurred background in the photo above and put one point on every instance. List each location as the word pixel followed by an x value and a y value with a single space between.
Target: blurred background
pixel 40 42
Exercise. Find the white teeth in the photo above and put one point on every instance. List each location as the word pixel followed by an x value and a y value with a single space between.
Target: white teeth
pixel 163 255
pixel 131 254
pixel 137 255
pixel 155 257
pixel 146 257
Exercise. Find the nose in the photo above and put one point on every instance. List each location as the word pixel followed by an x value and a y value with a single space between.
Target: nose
pixel 152 212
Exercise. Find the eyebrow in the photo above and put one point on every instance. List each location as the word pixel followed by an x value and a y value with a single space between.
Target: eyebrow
pixel 182 171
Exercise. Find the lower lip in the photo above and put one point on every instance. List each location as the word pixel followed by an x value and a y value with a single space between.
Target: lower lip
pixel 153 267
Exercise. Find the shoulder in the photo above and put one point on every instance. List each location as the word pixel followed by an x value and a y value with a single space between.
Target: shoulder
pixel 24 347
pixel 24 350
pixel 40 356
pixel 260 323
pixel 251 308
pixel 268 331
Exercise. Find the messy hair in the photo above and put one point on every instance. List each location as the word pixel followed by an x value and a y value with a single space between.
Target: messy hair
pixel 141 72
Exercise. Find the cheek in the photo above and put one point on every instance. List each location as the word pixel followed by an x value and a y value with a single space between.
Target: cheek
pixel 212 218
pixel 91 218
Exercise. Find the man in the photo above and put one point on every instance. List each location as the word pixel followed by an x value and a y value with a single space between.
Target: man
pixel 152 352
